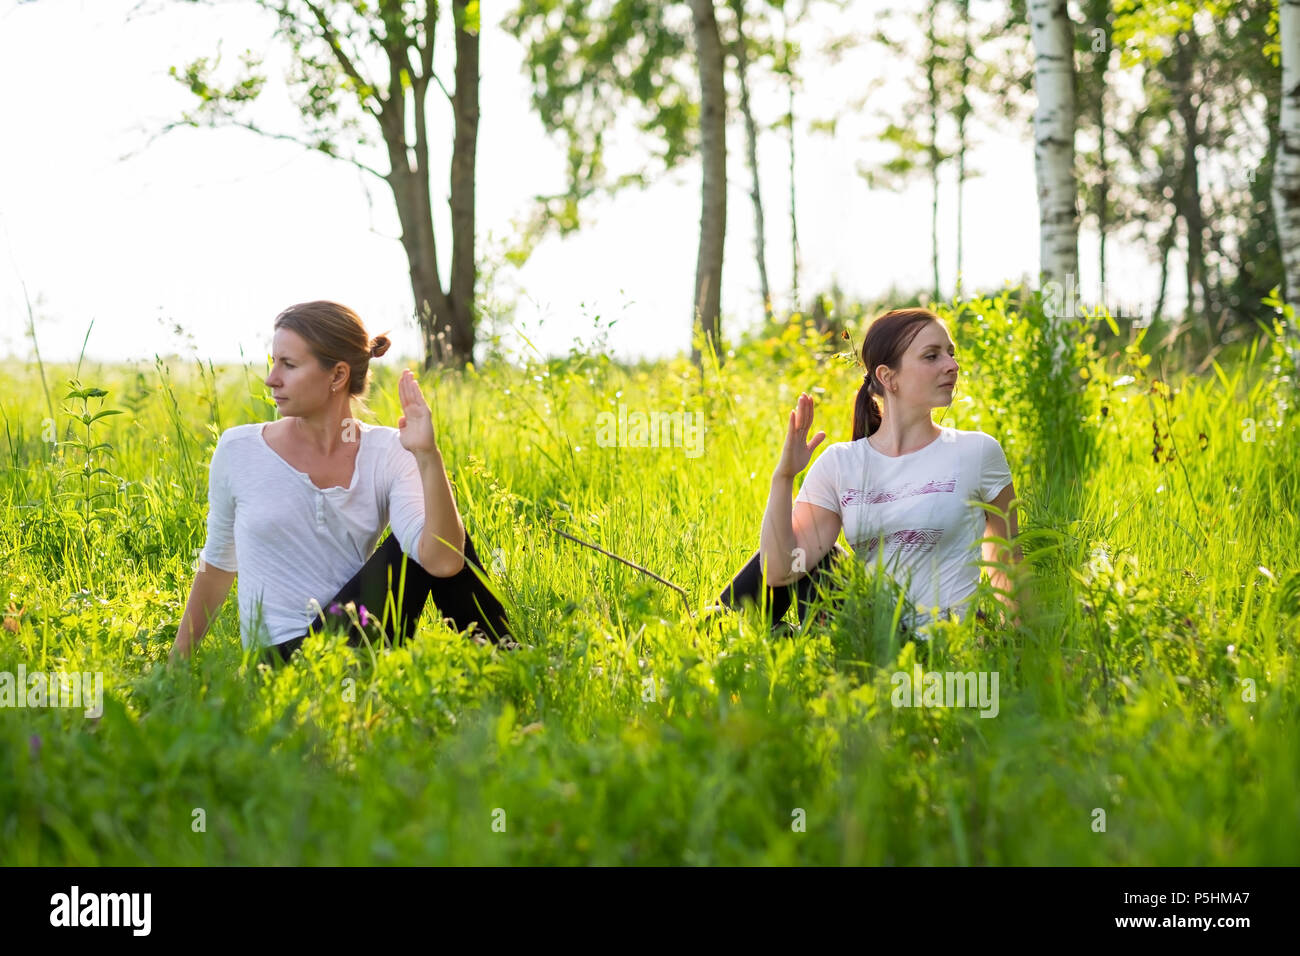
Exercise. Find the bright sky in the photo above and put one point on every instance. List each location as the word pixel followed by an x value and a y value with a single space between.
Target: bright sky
pixel 218 230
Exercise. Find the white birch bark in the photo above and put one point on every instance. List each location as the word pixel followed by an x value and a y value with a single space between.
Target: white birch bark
pixel 1286 166
pixel 713 153
pixel 1054 124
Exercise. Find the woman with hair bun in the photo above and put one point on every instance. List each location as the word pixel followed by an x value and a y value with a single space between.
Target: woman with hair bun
pixel 905 490
pixel 296 506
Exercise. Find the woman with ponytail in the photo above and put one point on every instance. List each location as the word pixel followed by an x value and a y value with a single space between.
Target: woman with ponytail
pixel 296 506
pixel 905 491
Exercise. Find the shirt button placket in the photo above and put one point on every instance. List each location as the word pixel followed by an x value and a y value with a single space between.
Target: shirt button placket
pixel 320 508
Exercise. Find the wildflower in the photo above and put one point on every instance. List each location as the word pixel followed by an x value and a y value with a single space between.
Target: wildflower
pixel 13 617
pixel 34 743
pixel 336 608
pixel 1100 563
pixel 365 618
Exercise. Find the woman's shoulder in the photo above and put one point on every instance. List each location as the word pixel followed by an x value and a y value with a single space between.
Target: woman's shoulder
pixel 238 434
pixel 979 448
pixel 837 449
pixel 384 435
pixel 840 457
pixel 385 441
pixel 972 436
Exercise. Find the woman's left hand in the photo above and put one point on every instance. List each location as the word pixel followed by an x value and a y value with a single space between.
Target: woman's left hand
pixel 415 427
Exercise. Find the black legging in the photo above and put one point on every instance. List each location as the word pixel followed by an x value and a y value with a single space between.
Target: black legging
pixel 462 597
pixel 745 587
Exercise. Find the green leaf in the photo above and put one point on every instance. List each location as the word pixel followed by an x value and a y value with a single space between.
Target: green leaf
pixel 469 18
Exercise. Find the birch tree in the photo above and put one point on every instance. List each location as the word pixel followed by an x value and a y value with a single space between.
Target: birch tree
pixel 1054 124
pixel 1286 170
pixel 713 154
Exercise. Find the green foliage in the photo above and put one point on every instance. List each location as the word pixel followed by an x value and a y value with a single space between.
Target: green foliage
pixel 1144 29
pixel 218 103
pixel 591 65
pixel 937 93
pixel 1197 65
pixel 1154 673
pixel 92 485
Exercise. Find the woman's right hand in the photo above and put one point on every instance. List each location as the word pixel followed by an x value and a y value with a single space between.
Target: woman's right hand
pixel 797 451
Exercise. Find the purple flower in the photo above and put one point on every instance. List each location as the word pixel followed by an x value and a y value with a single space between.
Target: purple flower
pixel 35 744
pixel 365 619
pixel 336 608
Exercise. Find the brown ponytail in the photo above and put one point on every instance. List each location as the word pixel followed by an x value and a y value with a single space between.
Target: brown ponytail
pixel 866 412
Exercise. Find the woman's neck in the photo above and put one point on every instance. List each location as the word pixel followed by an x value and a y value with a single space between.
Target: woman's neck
pixel 323 433
pixel 900 434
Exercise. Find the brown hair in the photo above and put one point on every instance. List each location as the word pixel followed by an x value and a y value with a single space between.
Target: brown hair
pixel 887 339
pixel 334 334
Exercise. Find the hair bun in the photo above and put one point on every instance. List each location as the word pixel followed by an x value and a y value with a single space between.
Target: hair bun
pixel 379 345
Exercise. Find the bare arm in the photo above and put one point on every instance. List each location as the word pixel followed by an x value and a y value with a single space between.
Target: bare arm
pixel 442 543
pixel 441 551
pixel 995 551
pixel 809 533
pixel 207 594
pixel 794 539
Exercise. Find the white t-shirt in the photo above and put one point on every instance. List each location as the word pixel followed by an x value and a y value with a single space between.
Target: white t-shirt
pixel 919 506
pixel 293 544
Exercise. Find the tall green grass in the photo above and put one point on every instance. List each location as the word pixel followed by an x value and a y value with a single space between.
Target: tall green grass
pixel 1153 677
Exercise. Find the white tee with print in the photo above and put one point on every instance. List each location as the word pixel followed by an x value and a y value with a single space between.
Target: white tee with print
pixel 294 545
pixel 915 511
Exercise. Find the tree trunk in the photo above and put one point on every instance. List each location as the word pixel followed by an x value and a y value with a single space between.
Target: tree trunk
pixel 445 318
pixel 963 109
pixel 1190 192
pixel 1286 167
pixel 751 150
pixel 931 66
pixel 411 194
pixel 789 116
pixel 1100 66
pixel 713 153
pixel 794 216
pixel 1166 243
pixel 1054 125
pixel 464 145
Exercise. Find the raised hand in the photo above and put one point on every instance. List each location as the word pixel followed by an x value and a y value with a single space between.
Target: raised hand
pixel 797 452
pixel 415 427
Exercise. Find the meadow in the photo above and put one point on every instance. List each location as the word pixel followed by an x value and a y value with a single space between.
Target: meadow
pixel 1148 700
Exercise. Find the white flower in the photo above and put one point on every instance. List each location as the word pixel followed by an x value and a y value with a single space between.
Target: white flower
pixel 1099 563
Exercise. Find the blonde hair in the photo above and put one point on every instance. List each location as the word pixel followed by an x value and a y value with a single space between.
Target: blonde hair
pixel 335 333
